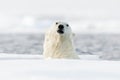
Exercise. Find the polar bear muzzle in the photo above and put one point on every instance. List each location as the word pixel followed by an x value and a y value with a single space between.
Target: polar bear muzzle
pixel 60 29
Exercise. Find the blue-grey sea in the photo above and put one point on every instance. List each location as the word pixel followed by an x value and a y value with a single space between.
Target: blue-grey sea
pixel 105 45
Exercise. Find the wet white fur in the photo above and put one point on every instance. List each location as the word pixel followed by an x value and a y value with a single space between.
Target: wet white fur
pixel 59 46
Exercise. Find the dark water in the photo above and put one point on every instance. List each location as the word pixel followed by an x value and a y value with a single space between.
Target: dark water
pixel 105 45
pixel 21 43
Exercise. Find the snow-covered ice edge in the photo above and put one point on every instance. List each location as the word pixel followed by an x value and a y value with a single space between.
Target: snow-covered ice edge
pixel 34 67
pixel 4 56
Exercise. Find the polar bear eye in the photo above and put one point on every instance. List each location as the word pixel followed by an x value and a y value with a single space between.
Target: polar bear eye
pixel 56 23
pixel 67 25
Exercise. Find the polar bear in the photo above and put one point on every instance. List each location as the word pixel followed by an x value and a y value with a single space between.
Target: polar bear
pixel 58 42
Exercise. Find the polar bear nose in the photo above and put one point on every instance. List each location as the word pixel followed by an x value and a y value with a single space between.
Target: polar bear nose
pixel 60 26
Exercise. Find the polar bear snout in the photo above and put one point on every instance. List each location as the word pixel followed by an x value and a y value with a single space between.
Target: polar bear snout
pixel 60 29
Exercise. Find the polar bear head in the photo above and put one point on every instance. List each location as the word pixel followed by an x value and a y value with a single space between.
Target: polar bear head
pixel 61 28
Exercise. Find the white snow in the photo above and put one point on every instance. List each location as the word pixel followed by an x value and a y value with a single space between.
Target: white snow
pixel 33 67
